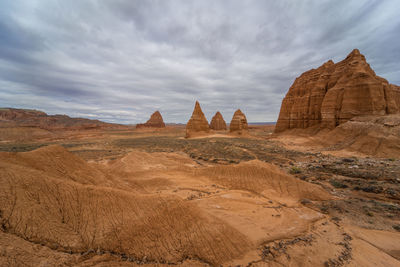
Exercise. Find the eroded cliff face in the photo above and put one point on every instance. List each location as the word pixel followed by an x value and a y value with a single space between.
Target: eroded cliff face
pixel 334 93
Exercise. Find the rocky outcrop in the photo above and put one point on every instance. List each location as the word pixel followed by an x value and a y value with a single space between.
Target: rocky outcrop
pixel 238 122
pixel 217 122
pixel 334 93
pixel 197 123
pixel 155 121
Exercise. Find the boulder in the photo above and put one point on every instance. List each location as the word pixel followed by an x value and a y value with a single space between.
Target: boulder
pixel 238 122
pixel 334 93
pixel 197 123
pixel 218 122
pixel 155 121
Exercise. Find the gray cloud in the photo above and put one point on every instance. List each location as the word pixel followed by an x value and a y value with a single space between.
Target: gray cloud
pixel 120 60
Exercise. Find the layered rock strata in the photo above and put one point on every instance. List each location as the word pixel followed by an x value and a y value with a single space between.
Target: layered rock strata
pixel 238 122
pixel 217 122
pixel 197 123
pixel 334 93
pixel 155 121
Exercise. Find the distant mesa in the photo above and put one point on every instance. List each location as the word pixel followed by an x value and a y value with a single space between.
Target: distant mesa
pixel 12 117
pixel 197 123
pixel 238 122
pixel 217 122
pixel 155 121
pixel 334 93
pixel 13 114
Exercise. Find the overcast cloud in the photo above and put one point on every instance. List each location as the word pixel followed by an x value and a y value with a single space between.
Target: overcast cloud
pixel 120 60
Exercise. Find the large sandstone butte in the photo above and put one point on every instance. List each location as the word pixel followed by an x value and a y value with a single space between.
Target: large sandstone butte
pixel 238 122
pixel 218 122
pixel 155 121
pixel 334 93
pixel 198 122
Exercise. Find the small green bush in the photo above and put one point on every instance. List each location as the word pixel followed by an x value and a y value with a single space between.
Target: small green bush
pixel 295 170
pixel 337 184
pixel 370 214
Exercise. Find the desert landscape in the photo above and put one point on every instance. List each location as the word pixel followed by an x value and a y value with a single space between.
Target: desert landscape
pixel 218 133
pixel 321 187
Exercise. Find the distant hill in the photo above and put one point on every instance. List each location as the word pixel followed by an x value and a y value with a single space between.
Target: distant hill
pixel 12 117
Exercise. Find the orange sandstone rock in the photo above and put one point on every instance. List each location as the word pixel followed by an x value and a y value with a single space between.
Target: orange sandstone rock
pixel 238 122
pixel 155 121
pixel 198 122
pixel 218 122
pixel 334 93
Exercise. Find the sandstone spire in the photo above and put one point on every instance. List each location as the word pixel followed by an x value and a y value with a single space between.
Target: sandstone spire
pixel 334 93
pixel 238 122
pixel 198 122
pixel 155 121
pixel 218 122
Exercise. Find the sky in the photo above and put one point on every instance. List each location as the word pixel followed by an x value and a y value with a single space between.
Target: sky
pixel 120 60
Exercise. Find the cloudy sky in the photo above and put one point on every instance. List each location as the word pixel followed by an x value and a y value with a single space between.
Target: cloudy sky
pixel 120 60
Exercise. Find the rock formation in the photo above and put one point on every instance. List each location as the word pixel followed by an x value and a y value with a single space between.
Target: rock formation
pixel 335 93
pixel 198 122
pixel 218 122
pixel 238 122
pixel 155 121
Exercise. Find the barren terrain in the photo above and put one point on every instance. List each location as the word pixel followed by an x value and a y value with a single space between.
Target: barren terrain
pixel 126 197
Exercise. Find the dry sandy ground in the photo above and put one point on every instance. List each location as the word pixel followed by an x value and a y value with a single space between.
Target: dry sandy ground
pixel 120 206
pixel 164 208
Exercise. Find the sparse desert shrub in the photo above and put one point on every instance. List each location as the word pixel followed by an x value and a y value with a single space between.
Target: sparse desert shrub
pixel 370 214
pixel 305 201
pixel 348 160
pixel 337 184
pixel 324 209
pixel 396 227
pixel 372 189
pixel 295 170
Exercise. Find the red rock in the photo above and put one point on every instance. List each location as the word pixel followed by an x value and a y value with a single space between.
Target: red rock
pixel 198 122
pixel 155 121
pixel 334 93
pixel 238 122
pixel 218 122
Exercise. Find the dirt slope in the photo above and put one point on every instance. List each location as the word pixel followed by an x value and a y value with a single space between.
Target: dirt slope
pixel 371 135
pixel 40 207
pixel 377 136
pixel 165 208
pixel 266 180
